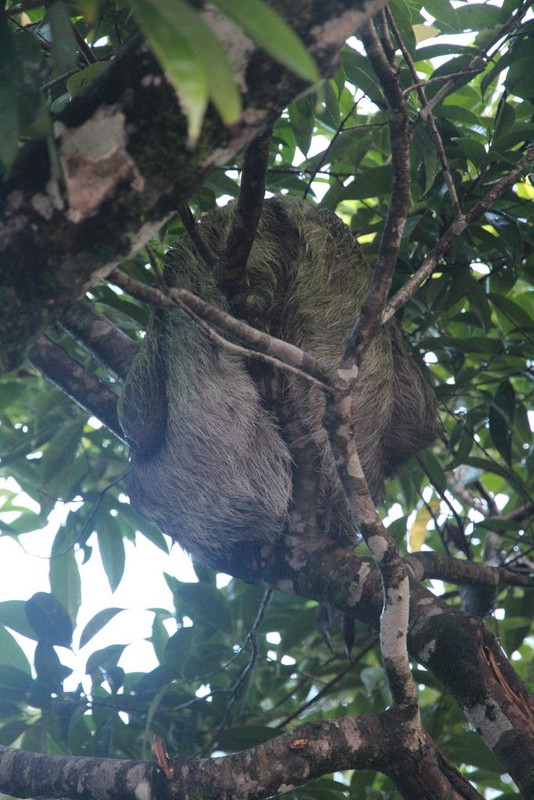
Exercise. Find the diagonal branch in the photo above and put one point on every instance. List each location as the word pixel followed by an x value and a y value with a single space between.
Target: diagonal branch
pixel 267 348
pixel 72 378
pixel 453 231
pixel 100 336
pixel 430 119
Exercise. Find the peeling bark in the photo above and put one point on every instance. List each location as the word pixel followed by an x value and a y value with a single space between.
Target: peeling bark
pixel 126 167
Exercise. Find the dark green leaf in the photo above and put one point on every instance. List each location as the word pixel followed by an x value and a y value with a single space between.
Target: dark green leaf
pixel 64 48
pixel 84 76
pixel 49 619
pixel 64 574
pixel 50 671
pixel 501 418
pixel 103 660
pixel 97 623
pixel 13 615
pixel 111 546
pixel 11 653
pixel 14 683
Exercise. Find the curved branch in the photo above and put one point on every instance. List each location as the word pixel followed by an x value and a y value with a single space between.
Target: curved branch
pixel 307 752
pixel 439 637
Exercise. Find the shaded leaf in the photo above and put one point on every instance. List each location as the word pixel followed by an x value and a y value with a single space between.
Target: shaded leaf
pixel 97 623
pixel 49 619
pixel 271 32
pixel 11 653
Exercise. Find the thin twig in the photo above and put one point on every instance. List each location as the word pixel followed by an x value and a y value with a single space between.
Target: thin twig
pixel 194 231
pixel 314 172
pixel 458 214
pixel 252 639
pixel 369 320
pixel 267 348
pixel 458 226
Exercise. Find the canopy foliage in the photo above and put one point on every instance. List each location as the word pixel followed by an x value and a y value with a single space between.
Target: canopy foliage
pixel 234 671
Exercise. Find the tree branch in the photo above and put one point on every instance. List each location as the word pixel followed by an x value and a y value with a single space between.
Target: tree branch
pixel 127 131
pixel 458 214
pixel 72 378
pixel 267 348
pixel 385 553
pixel 453 231
pixel 232 274
pixel 287 760
pixel 96 333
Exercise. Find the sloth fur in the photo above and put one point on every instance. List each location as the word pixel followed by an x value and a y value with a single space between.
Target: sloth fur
pixel 211 465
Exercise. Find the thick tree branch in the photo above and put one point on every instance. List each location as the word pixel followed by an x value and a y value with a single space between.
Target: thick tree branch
pixel 425 566
pixel 493 698
pixel 58 238
pixel 287 760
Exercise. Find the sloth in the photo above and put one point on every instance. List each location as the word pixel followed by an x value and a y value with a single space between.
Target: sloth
pixel 219 442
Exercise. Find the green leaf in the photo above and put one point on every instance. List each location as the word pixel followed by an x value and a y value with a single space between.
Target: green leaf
pixel 193 59
pixel 27 522
pixel 49 619
pixel 513 311
pixel 105 659
pixel 179 647
pixel 84 76
pixel 501 418
pixel 202 601
pixel 111 546
pixel 360 73
pixel 271 32
pixel 444 13
pixel 13 615
pixel 97 623
pixel 160 635
pixel 371 183
pixel 468 748
pixel 433 469
pixel 50 670
pixel 302 117
pixel 14 683
pixel 60 451
pixel 11 653
pixel 64 574
pixel 64 48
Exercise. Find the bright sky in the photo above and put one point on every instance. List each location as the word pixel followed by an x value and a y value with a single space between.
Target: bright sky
pixel 24 571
